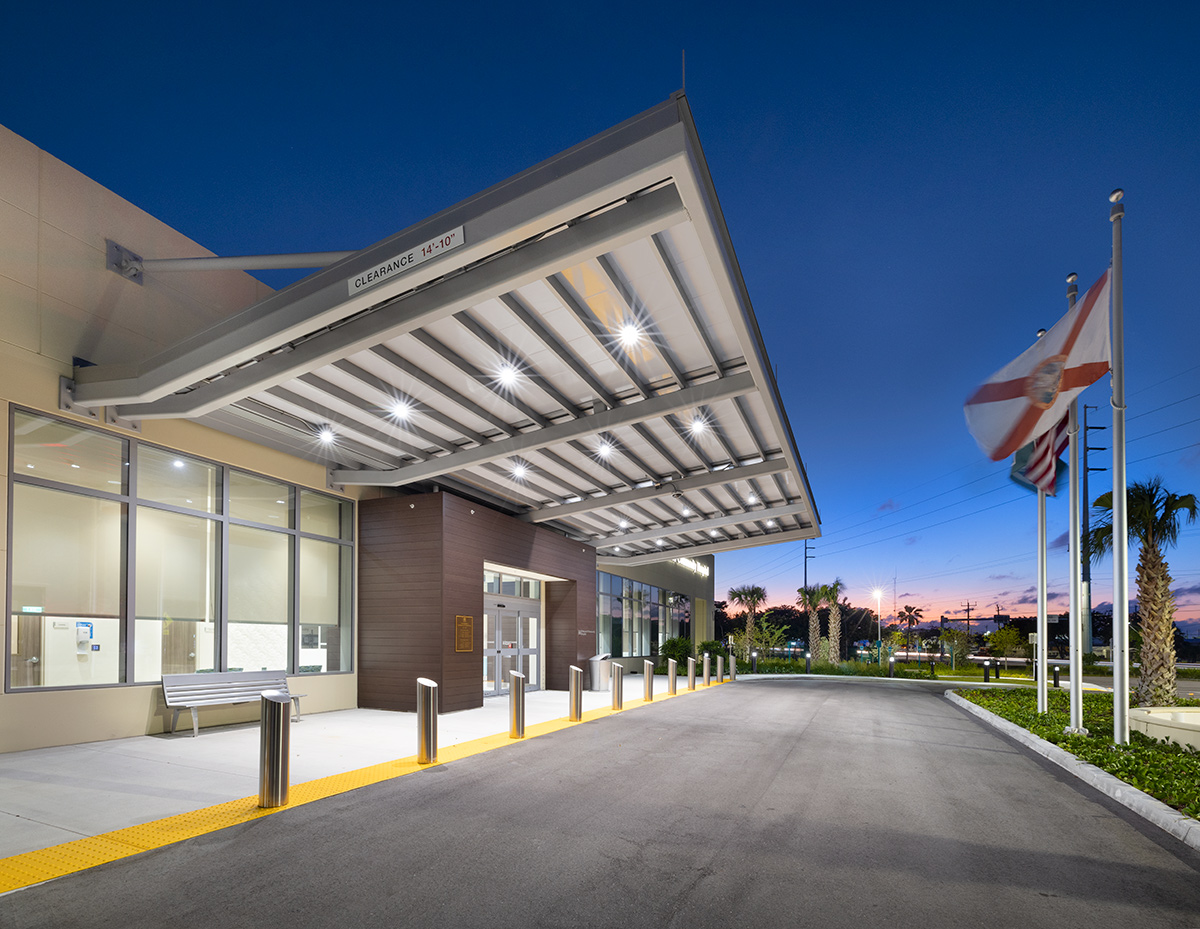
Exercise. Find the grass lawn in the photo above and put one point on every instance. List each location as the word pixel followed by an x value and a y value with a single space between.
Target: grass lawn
pixel 1165 770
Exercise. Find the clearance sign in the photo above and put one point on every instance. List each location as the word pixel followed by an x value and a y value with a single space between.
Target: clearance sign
pixel 405 261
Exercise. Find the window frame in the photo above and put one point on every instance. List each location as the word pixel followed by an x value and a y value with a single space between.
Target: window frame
pixel 131 502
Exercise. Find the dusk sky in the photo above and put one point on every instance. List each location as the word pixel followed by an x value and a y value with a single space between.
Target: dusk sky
pixel 907 187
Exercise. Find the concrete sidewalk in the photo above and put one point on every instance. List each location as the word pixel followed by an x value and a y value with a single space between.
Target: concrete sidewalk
pixel 53 795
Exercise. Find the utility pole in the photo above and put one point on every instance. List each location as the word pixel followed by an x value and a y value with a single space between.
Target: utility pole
pixel 806 557
pixel 969 606
pixel 1085 595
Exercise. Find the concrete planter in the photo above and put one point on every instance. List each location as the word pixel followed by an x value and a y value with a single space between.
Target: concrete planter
pixel 1178 724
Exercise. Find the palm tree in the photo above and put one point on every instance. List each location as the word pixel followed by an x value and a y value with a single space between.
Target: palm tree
pixel 809 600
pixel 750 597
pixel 832 594
pixel 911 616
pixel 1153 519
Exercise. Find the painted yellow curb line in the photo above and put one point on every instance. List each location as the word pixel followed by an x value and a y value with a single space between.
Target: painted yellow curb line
pixel 46 864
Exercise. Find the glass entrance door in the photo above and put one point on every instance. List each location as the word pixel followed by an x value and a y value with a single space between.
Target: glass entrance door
pixel 511 642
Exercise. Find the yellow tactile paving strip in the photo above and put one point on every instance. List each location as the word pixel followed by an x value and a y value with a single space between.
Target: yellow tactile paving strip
pixel 59 860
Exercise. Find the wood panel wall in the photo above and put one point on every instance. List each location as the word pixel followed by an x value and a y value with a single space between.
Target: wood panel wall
pixel 421 565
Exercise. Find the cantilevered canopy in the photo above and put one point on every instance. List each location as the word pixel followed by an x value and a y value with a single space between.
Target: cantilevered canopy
pixel 574 346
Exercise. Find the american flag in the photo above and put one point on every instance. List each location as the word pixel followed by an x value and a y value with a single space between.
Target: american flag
pixel 1042 467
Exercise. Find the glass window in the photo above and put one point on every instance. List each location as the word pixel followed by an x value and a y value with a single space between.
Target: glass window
pixel 177 480
pixel 491 582
pixel 531 588
pixel 175 627
pixel 324 606
pixel 58 451
pixel 509 586
pixel 258 500
pixel 259 599
pixel 66 588
pixel 324 515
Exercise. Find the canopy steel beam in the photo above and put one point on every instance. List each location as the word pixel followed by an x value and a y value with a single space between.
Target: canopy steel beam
pixel 664 489
pixel 719 523
pixel 639 411
pixel 633 220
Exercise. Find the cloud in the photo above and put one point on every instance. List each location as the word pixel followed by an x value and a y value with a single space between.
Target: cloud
pixel 888 504
pixel 1002 577
pixel 1031 598
pixel 911 540
pixel 1060 543
pixel 1004 593
pixel 1186 591
pixel 908 595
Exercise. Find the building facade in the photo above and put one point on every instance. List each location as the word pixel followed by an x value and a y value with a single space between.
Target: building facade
pixel 509 437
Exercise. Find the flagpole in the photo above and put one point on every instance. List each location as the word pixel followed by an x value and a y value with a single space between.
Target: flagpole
pixel 1075 614
pixel 1043 698
pixel 1120 524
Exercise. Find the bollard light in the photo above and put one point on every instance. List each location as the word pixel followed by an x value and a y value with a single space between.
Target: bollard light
pixel 575 697
pixel 808 662
pixel 754 662
pixel 1056 670
pixel 516 705
pixel 707 671
pixel 427 745
pixel 987 667
pixel 274 755
pixel 891 665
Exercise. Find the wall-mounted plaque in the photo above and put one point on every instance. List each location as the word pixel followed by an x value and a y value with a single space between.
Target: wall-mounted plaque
pixel 464 633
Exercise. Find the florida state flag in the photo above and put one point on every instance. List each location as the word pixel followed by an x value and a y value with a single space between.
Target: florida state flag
pixel 1030 394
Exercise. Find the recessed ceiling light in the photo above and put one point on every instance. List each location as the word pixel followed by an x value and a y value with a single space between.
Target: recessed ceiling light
pixel 74 466
pixel 659 542
pixel 698 426
pixel 616 548
pixel 770 522
pixel 713 533
pixel 507 375
pixel 401 409
pixel 624 524
pixel 177 463
pixel 520 470
pixel 604 449
pixel 687 511
pixel 629 334
pixel 326 435
pixel 752 499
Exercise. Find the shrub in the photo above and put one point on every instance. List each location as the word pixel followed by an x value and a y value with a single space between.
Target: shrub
pixel 679 648
pixel 713 647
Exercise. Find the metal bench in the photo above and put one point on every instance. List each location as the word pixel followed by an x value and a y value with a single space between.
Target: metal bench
pixel 193 691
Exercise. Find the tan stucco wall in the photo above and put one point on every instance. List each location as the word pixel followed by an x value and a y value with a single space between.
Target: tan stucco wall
pixel 57 301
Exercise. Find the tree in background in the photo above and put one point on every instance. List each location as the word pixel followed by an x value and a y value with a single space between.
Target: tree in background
pixel 1154 517
pixel 831 594
pixel 809 600
pixel 749 597
pixel 909 617
pixel 1005 642
pixel 956 644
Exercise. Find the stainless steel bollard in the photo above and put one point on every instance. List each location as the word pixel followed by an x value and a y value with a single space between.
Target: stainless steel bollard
pixel 732 668
pixel 691 674
pixel 273 749
pixel 427 710
pixel 707 671
pixel 672 670
pixel 516 705
pixel 648 685
pixel 720 669
pixel 618 685
pixel 575 695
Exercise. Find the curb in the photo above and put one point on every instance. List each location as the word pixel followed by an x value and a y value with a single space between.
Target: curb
pixel 1171 821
